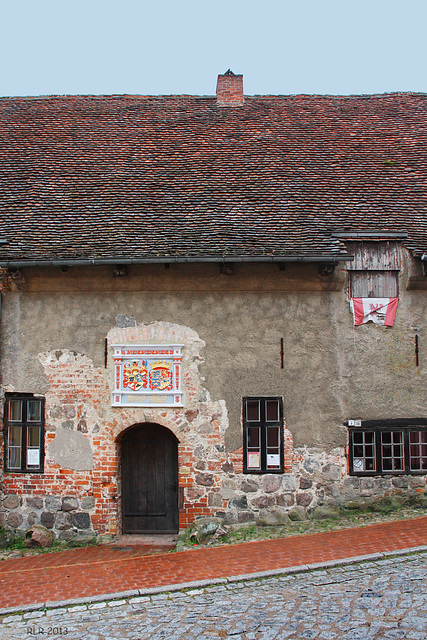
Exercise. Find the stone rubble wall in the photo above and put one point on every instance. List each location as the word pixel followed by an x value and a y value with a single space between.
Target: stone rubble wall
pixel 68 516
pixel 318 482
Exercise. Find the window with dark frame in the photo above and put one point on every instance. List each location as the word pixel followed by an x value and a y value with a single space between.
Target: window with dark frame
pixel 389 447
pixel 263 435
pixel 24 433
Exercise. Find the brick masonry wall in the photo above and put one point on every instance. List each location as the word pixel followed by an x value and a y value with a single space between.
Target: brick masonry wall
pixel 78 495
pixel 70 500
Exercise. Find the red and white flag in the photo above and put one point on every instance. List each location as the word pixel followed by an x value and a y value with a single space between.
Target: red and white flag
pixel 378 310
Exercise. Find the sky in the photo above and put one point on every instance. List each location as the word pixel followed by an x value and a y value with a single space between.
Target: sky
pixel 104 47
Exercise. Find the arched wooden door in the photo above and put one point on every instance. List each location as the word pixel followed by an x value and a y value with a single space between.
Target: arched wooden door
pixel 149 461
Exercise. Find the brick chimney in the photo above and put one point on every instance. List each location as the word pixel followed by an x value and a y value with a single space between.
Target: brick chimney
pixel 229 90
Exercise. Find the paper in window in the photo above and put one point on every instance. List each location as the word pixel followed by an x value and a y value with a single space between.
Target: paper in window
pixel 253 460
pixel 33 457
pixel 358 464
pixel 273 460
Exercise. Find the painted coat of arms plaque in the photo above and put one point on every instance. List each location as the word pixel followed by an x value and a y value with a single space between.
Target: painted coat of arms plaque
pixel 147 375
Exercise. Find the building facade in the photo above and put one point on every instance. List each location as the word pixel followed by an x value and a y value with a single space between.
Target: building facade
pixel 210 306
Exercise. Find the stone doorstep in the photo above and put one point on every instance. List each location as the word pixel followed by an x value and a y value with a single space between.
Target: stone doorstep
pixel 164 541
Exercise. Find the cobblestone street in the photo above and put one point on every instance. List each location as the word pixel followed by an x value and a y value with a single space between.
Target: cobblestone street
pixel 379 600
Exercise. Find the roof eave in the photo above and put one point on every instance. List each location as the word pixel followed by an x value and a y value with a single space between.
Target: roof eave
pixel 17 264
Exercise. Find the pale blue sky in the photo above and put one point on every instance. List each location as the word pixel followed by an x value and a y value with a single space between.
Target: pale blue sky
pixel 280 46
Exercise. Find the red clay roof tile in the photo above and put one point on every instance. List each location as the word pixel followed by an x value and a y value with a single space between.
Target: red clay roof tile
pixel 177 177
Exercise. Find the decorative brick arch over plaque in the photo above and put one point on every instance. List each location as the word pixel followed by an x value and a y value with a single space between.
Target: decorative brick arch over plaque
pixel 199 424
pixel 197 408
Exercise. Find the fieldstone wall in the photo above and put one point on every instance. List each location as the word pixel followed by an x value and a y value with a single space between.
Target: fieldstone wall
pixel 317 485
pixel 274 498
pixel 68 517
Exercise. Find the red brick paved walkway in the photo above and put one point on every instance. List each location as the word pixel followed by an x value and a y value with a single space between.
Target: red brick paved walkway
pixel 102 570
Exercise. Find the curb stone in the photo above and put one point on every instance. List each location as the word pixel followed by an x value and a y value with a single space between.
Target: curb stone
pixel 201 584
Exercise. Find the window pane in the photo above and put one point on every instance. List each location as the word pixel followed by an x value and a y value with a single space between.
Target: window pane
pixel 273 460
pixel 15 441
pixel 254 460
pixel 272 411
pixel 253 437
pixel 397 451
pixel 415 463
pixel 358 465
pixel 254 452
pixel 33 437
pixel 418 450
pixel 272 436
pixel 358 451
pixel 34 410
pixel 252 411
pixel 15 436
pixel 363 451
pixel 392 455
pixel 15 410
pixel 414 437
pixel 14 458
pixel 370 464
pixel 273 449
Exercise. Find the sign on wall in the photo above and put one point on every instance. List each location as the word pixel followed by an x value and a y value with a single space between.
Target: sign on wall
pixel 147 375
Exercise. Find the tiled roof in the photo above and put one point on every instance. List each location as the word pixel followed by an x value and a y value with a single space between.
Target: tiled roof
pixel 121 178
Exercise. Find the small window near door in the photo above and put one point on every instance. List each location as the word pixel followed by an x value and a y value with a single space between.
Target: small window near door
pixel 263 435
pixel 24 433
